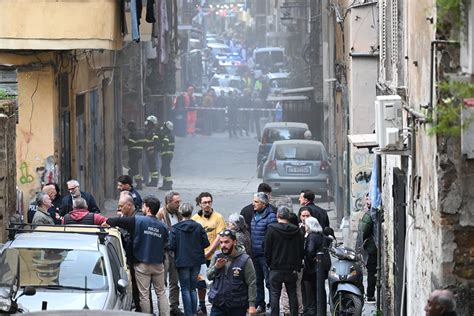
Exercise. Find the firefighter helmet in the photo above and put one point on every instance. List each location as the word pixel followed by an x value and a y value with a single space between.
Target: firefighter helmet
pixel 152 119
pixel 169 125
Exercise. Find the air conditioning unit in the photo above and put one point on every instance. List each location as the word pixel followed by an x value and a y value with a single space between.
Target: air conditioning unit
pixel 389 122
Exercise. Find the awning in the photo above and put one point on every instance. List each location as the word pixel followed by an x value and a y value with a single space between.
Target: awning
pixel 363 140
pixel 287 98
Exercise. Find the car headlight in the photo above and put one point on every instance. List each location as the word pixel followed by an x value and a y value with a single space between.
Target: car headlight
pixel 5 304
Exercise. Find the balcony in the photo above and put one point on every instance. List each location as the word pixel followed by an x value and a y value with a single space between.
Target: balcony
pixel 60 24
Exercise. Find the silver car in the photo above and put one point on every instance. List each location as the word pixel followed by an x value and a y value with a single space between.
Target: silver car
pixel 70 269
pixel 295 165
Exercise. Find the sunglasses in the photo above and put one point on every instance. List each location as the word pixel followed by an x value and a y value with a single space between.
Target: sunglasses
pixel 227 233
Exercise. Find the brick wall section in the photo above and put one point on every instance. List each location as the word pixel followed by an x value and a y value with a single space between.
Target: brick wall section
pixel 7 164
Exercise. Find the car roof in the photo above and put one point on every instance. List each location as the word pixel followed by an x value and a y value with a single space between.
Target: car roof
pixel 296 141
pixel 52 240
pixel 286 124
pixel 80 237
pixel 217 45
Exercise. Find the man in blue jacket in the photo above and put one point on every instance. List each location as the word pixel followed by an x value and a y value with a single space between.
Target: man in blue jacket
pixel 188 240
pixel 150 237
pixel 262 218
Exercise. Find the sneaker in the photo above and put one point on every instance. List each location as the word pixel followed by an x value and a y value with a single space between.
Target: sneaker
pixel 370 299
pixel 201 310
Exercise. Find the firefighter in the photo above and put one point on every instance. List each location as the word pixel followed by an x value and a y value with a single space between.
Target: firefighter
pixel 167 149
pixel 135 148
pixel 151 143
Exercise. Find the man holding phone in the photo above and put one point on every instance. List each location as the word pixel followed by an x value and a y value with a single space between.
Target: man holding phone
pixel 234 290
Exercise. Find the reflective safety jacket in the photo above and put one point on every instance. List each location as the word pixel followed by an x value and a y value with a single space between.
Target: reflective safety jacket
pixel 167 142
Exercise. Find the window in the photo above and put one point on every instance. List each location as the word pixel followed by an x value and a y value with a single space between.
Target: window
pixel 299 152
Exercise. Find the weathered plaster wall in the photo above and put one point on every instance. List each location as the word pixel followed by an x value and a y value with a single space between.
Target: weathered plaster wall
pixel 35 143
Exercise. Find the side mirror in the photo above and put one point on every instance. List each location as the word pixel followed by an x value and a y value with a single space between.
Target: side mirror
pixel 122 286
pixel 27 291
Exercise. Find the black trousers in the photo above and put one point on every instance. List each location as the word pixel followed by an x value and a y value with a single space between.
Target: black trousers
pixel 134 164
pixel 371 274
pixel 277 279
pixel 166 166
pixel 309 286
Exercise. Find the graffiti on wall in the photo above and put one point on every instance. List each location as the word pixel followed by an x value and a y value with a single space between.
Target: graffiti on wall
pixel 361 172
pixel 25 176
pixel 49 172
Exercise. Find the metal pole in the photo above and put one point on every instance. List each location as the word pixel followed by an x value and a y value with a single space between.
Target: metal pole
pixel 320 297
pixel 379 234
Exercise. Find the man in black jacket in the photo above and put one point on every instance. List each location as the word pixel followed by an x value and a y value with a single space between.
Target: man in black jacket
pixel 75 191
pixel 307 199
pixel 284 254
pixel 248 211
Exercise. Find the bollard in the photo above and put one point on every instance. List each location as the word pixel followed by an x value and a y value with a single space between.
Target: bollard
pixel 320 297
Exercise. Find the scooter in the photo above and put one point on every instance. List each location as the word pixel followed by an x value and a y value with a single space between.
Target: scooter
pixel 346 288
pixel 10 283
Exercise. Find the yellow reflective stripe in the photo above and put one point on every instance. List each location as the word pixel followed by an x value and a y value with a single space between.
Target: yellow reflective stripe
pixel 137 147
pixel 167 178
pixel 166 152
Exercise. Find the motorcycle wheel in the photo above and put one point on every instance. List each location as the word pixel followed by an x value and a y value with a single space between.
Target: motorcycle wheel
pixel 348 304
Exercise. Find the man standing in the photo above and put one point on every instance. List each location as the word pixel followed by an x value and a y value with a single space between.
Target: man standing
pixel 135 150
pixel 261 220
pixel 248 211
pixel 125 183
pixel 167 150
pixel 169 214
pixel 233 291
pixel 81 216
pixel 213 223
pixel 43 203
pixel 150 237
pixel 53 211
pixel 74 192
pixel 284 254
pixel 151 145
pixel 307 199
pixel 126 208
pixel 188 240
pixel 441 303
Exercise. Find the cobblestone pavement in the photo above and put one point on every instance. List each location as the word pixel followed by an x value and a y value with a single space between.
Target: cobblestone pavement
pixel 226 168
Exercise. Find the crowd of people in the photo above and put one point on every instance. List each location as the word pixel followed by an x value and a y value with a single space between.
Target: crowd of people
pixel 261 248
pixel 237 113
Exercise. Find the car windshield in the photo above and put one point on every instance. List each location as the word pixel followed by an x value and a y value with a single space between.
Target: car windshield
pixel 298 152
pixel 268 59
pixel 62 268
pixel 285 133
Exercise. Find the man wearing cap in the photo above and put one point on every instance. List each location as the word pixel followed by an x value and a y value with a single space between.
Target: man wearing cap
pixel 233 290
pixel 262 218
pixel 125 183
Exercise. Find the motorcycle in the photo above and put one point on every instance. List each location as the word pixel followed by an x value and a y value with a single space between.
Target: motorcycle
pixel 346 288
pixel 10 283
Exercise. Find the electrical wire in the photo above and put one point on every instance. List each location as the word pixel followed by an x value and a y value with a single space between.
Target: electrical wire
pixel 31 115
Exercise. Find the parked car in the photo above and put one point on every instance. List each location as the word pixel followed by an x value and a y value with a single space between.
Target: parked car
pixel 277 131
pixel 226 83
pixel 278 81
pixel 294 165
pixel 69 267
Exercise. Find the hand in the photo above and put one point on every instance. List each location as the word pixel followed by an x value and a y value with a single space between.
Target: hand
pixel 104 224
pixel 220 262
pixel 252 311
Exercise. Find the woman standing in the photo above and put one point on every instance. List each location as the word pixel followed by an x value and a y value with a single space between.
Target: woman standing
pixel 315 242
pixel 237 224
pixel 188 240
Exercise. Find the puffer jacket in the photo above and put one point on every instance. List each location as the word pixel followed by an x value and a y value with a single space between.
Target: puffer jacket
pixel 259 229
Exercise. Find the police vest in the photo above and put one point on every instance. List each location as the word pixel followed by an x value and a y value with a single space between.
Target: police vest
pixel 229 289
pixel 86 220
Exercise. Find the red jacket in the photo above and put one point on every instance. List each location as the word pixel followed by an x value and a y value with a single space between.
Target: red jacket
pixel 79 214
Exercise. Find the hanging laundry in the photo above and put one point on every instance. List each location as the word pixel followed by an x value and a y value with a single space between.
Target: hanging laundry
pixel 150 14
pixel 135 17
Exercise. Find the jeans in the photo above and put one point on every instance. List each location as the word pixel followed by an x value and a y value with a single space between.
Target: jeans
pixel 277 279
pixel 188 281
pixel 261 273
pixel 226 311
pixel 146 274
